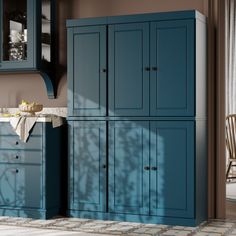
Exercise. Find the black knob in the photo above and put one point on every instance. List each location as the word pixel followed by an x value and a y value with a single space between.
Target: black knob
pixel 146 168
pixel 17 142
pixel 104 166
pixel 154 68
pixel 17 171
pixel 147 68
pixel 154 168
pixel 17 157
pixel 104 70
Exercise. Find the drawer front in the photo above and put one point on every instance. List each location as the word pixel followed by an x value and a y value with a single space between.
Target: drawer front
pixel 21 156
pixel 13 142
pixel 6 129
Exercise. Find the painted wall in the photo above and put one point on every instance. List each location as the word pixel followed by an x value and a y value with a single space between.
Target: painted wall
pixel 15 87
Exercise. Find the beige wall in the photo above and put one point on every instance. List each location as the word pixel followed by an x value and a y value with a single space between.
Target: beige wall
pixel 31 87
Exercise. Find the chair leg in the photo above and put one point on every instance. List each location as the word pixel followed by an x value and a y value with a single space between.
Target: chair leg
pixel 228 169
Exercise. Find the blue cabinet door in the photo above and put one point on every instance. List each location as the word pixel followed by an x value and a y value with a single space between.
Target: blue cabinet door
pixel 87 70
pixel 20 186
pixel 87 181
pixel 172 168
pixel 128 162
pixel 129 69
pixel 172 68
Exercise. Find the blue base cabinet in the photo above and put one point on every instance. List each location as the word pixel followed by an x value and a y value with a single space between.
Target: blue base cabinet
pixel 30 172
pixel 172 168
pixel 137 118
pixel 128 158
pixel 87 140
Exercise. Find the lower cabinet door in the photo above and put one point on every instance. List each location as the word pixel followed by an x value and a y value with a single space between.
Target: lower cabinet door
pixel 87 184
pixel 128 167
pixel 20 186
pixel 172 168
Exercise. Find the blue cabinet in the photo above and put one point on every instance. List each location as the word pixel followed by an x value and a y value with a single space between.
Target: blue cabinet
pixel 20 186
pixel 29 176
pixel 150 68
pixel 128 62
pixel 88 69
pixel 149 163
pixel 172 168
pixel 144 115
pixel 27 38
pixel 172 68
pixel 128 158
pixel 88 165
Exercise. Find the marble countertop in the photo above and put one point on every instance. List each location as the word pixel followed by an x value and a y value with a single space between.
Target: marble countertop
pixel 43 115
pixel 40 119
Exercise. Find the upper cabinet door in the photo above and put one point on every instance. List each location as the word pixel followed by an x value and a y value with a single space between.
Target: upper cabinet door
pixel 129 69
pixel 17 41
pixel 87 70
pixel 172 68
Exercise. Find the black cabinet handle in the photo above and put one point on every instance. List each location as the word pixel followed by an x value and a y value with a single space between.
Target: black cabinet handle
pixel 154 68
pixel 104 166
pixel 154 168
pixel 104 70
pixel 147 68
pixel 17 171
pixel 146 168
pixel 17 157
pixel 17 142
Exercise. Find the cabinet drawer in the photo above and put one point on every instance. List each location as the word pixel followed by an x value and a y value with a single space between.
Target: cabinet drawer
pixel 6 129
pixel 13 142
pixel 21 157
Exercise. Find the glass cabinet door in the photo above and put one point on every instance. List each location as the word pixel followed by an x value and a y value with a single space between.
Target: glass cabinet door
pixel 46 32
pixel 26 39
pixel 14 30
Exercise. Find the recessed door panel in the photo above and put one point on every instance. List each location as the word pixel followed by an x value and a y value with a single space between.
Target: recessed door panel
pixel 172 168
pixel 128 167
pixel 128 69
pixel 172 68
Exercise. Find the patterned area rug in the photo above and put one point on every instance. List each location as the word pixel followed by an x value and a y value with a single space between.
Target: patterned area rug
pixel 11 226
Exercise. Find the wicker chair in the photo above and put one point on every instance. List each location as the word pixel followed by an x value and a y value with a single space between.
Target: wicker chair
pixel 231 144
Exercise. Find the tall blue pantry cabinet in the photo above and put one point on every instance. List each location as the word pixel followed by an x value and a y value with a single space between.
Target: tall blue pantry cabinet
pixel 137 118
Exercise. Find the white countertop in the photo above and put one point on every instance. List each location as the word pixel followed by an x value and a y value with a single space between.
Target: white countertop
pixel 44 115
pixel 40 119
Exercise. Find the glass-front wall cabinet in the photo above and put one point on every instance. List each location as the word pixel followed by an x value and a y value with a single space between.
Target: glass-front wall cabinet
pixel 15 30
pixel 26 37
pixel 18 42
pixel 46 32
